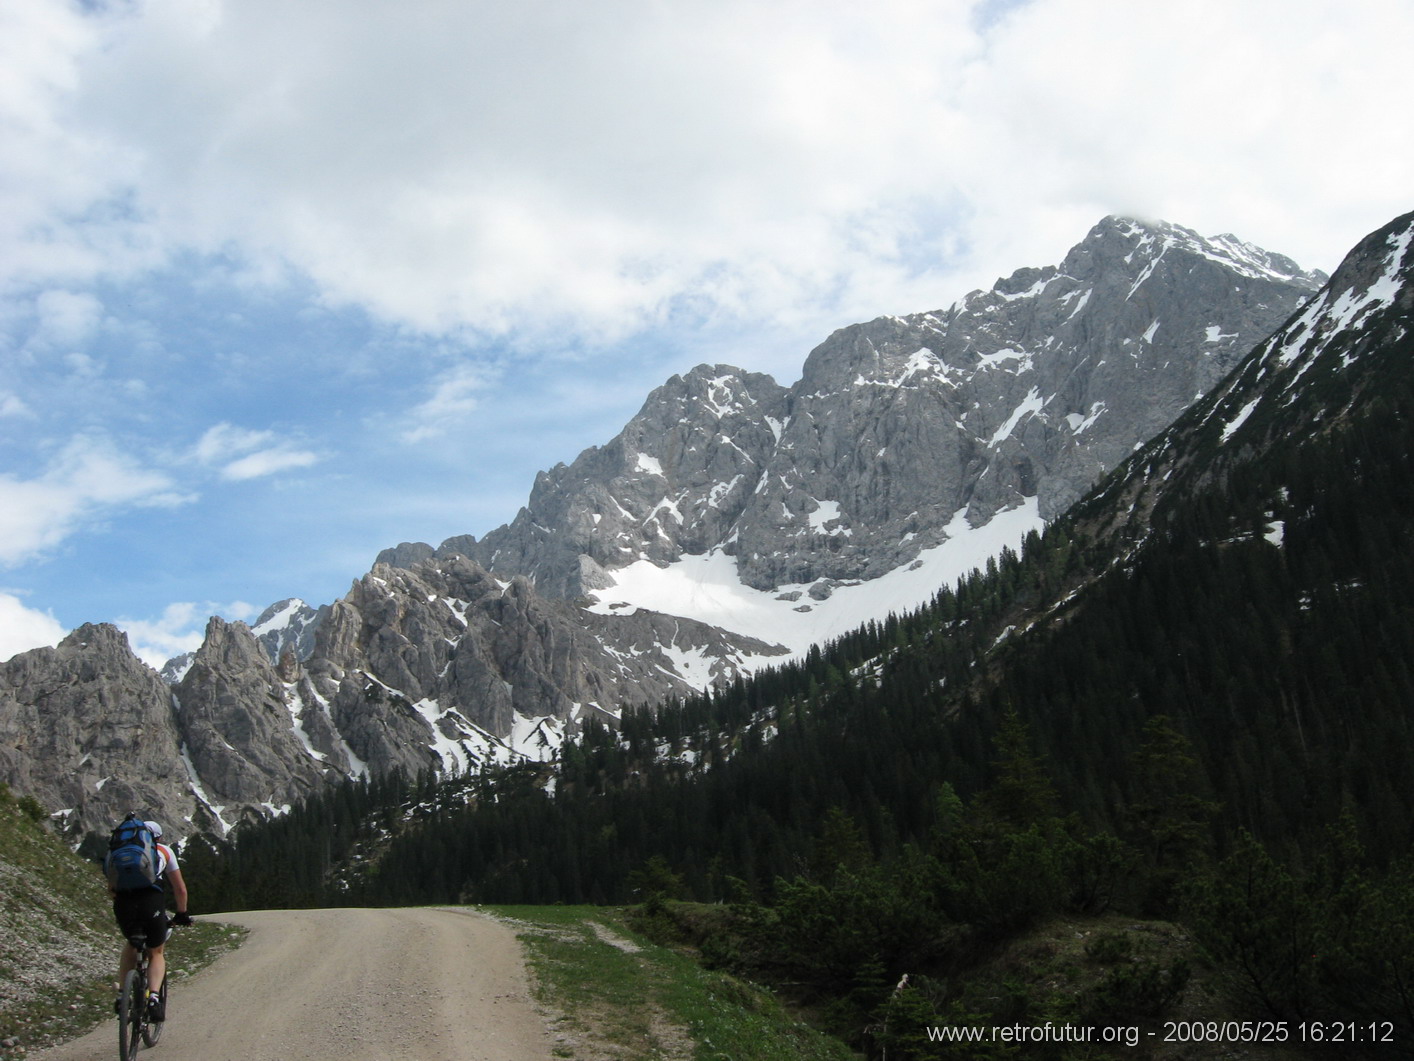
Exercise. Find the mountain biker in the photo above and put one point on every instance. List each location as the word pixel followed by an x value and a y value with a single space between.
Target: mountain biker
pixel 143 912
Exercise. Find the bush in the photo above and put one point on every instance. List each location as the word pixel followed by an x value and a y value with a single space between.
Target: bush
pixel 1110 947
pixel 1135 990
pixel 881 918
pixel 31 808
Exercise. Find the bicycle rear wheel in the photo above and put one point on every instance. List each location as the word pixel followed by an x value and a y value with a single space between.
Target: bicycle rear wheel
pixel 130 1015
pixel 152 1029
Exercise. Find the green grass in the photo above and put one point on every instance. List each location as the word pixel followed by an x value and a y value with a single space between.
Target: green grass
pixel 619 996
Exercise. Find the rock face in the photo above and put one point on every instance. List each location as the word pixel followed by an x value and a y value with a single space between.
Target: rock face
pixel 420 668
pixel 440 667
pixel 88 730
pixel 243 742
pixel 1036 388
pixel 674 481
pixel 286 626
pixel 1346 352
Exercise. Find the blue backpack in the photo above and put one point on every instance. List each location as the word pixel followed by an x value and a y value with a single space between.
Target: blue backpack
pixel 132 859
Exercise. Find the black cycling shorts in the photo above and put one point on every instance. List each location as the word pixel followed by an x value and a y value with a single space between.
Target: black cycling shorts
pixel 142 913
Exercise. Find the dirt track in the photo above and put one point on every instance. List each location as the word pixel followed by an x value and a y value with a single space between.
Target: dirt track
pixel 349 985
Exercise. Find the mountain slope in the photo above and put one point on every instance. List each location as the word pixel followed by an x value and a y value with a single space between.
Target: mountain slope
pixel 744 504
pixel 1346 351
pixel 48 887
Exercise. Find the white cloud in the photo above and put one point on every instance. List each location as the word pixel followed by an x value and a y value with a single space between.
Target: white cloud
pixel 66 318
pixel 23 628
pixel 63 183
pixel 220 442
pixel 455 397
pixel 87 481
pixel 268 462
pixel 245 454
pixel 456 165
pixel 1261 118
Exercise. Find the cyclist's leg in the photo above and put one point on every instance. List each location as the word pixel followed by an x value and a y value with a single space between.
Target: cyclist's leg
pixel 156 968
pixel 127 962
pixel 157 955
pixel 128 918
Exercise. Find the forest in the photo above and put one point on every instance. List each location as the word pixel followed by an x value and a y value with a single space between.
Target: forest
pixel 1205 727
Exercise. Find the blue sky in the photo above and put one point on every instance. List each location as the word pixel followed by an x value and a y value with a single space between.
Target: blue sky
pixel 284 284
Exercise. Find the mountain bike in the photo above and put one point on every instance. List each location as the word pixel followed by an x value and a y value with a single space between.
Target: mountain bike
pixel 133 1022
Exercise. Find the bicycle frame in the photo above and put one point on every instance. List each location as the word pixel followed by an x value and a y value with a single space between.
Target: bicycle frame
pixel 133 1024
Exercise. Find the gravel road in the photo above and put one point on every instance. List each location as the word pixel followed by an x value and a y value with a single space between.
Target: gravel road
pixel 349 985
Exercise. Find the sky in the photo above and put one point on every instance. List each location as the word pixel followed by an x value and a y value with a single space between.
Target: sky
pixel 284 284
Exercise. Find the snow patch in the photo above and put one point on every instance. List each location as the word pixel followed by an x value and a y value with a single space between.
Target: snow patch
pixel 721 490
pixel 707 587
pixel 826 513
pixel 281 619
pixel 295 703
pixel 1241 417
pixel 1031 292
pixel 1030 405
pixel 692 665
pixel 1084 298
pixel 200 793
pixel 995 360
pixel 1079 423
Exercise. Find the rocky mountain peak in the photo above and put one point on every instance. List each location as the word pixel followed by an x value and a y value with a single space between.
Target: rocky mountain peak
pixel 1022 394
pixel 1345 350
pixel 86 728
pixel 1127 238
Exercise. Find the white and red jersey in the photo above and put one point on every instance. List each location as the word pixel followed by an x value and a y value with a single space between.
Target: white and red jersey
pixel 166 859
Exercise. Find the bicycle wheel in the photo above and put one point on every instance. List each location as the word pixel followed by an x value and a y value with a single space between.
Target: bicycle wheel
pixel 152 1029
pixel 130 1015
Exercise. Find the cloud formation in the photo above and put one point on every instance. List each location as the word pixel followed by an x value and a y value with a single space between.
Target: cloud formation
pixel 456 395
pixel 23 628
pixel 87 480
pixel 523 168
pixel 243 454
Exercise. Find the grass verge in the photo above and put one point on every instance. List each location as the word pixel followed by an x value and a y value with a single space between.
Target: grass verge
pixel 619 997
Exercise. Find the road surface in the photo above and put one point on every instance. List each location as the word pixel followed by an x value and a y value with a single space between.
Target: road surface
pixel 349 985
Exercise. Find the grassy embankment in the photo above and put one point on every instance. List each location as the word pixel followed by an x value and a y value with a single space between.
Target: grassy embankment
pixel 58 942
pixel 615 995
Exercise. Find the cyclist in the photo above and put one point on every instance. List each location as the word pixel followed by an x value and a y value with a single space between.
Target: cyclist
pixel 143 912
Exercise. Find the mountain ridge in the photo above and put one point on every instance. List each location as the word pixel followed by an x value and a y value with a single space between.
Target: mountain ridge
pixel 836 476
